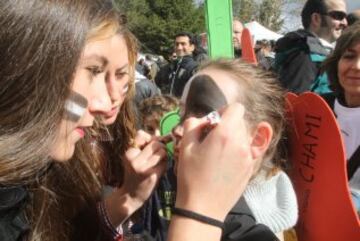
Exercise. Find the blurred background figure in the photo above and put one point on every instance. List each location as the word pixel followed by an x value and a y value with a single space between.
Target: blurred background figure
pixel 353 17
pixel 237 32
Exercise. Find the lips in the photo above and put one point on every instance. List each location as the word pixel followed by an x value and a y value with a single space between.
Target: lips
pixel 353 79
pixel 80 131
pixel 112 112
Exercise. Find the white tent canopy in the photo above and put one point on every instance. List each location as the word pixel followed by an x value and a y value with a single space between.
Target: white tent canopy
pixel 260 32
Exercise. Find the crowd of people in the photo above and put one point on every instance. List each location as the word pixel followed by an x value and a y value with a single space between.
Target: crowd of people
pixel 83 155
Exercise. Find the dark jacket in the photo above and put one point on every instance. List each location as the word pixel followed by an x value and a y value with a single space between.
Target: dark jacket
pixel 299 55
pixel 14 226
pixel 171 78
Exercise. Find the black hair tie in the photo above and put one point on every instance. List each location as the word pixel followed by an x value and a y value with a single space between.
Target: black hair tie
pixel 198 217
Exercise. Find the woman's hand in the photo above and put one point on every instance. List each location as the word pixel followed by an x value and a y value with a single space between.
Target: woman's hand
pixel 144 165
pixel 213 173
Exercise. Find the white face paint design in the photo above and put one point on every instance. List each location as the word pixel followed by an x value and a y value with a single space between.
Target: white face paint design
pixel 75 106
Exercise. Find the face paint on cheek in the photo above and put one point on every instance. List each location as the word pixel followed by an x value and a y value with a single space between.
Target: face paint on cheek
pixel 204 96
pixel 75 106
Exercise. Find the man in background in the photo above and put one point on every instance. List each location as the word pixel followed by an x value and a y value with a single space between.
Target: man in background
pixel 299 54
pixel 172 78
pixel 237 32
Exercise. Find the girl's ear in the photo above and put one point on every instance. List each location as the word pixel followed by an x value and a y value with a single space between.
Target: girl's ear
pixel 261 140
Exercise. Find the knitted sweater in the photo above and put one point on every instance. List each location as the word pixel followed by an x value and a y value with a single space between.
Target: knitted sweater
pixel 272 200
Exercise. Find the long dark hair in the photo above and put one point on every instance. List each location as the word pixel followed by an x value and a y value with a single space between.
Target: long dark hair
pixel 41 42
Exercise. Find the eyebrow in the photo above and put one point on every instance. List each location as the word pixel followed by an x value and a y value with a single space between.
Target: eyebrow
pixel 100 58
pixel 352 50
pixel 122 67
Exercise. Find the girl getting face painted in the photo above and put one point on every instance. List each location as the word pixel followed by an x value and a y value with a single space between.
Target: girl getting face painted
pixel 222 83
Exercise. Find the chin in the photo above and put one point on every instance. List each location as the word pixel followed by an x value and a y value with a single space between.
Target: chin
pixel 110 120
pixel 64 155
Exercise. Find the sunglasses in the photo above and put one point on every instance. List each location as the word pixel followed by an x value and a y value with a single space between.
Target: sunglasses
pixel 337 15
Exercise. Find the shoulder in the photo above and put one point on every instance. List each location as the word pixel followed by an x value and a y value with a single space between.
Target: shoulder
pixel 189 62
pixel 293 40
pixel 330 99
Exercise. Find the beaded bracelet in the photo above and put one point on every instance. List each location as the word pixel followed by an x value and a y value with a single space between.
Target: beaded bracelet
pixel 198 217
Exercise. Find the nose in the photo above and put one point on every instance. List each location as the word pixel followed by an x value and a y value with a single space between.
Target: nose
pixel 100 101
pixel 357 64
pixel 344 22
pixel 112 87
pixel 178 47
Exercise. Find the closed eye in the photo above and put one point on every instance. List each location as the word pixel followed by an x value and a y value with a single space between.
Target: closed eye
pixel 121 74
pixel 94 70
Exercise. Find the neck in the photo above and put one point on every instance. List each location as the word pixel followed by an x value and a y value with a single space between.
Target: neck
pixel 319 34
pixel 352 100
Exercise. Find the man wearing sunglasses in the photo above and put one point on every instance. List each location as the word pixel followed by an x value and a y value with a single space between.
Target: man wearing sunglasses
pixel 299 54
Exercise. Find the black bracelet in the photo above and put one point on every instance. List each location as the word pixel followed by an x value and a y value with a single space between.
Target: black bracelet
pixel 198 217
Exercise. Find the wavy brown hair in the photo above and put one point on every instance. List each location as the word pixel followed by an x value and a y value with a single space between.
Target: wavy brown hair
pixel 155 107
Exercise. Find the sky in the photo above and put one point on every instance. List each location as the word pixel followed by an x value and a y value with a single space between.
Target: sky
pixel 353 4
pixel 294 22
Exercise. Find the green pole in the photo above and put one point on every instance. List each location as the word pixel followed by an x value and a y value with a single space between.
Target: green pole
pixel 218 15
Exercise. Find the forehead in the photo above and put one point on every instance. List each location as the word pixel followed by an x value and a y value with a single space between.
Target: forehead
pixel 225 83
pixel 355 46
pixel 335 5
pixel 237 26
pixel 112 49
pixel 182 39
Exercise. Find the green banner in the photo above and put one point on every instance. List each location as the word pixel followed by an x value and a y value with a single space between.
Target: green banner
pixel 218 15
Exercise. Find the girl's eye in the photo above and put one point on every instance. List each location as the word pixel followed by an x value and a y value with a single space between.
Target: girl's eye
pixel 94 70
pixel 120 75
pixel 348 55
pixel 149 129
